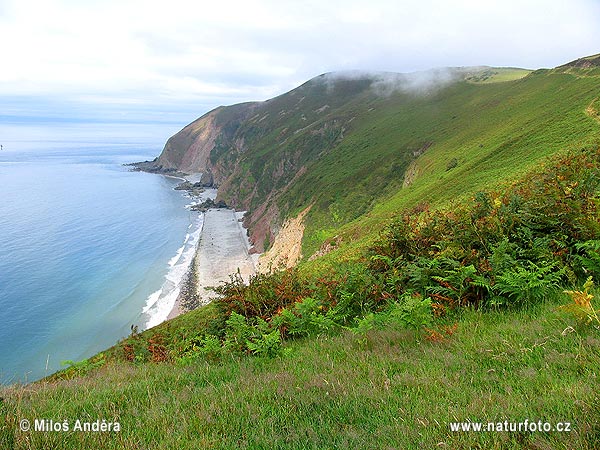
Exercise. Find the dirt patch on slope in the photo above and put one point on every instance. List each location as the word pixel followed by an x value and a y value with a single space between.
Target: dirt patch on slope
pixel 286 250
pixel 592 111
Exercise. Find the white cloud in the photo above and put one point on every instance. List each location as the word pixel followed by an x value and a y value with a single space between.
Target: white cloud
pixel 210 53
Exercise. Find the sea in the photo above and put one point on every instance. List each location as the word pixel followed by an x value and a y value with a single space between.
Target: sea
pixel 88 248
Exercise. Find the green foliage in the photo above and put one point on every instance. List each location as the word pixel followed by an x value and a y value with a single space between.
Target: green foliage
pixel 587 258
pixel 410 311
pixel 268 345
pixel 237 333
pixel 508 247
pixel 529 284
pixel 456 284
pixel 307 318
pixel 208 347
pixel 81 368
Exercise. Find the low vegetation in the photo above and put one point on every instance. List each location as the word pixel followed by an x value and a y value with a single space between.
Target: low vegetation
pixel 454 314
pixel 466 295
pixel 386 387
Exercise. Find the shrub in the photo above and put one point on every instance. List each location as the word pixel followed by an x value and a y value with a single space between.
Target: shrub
pixel 517 244
pixel 307 318
pixel 587 260
pixel 237 333
pixel 410 311
pixel 268 345
pixel 528 284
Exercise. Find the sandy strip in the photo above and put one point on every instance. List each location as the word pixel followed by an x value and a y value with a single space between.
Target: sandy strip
pixel 222 250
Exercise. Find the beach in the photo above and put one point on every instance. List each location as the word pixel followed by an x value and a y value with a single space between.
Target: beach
pixel 222 250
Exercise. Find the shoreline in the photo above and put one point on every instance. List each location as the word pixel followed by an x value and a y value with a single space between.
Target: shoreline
pixel 222 247
pixel 222 250
pixel 176 294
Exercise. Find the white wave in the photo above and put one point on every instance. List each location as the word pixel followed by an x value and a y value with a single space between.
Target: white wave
pixel 175 258
pixel 160 303
pixel 161 309
pixel 152 299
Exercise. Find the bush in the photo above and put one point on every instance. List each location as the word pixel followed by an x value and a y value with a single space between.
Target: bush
pixel 529 284
pixel 518 243
pixel 410 311
pixel 587 258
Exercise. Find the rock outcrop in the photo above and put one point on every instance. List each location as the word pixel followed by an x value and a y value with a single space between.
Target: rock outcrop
pixel 286 250
pixel 256 152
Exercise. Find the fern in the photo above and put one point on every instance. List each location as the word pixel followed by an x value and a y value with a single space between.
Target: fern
pixel 237 333
pixel 582 307
pixel 589 261
pixel 308 318
pixel 456 284
pixel 410 311
pixel 422 271
pixel 531 284
pixel 268 345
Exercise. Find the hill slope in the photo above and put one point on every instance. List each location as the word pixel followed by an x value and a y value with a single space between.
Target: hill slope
pixel 387 389
pixel 342 143
pixel 454 215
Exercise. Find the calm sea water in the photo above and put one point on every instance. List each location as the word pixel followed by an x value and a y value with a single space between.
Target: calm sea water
pixel 87 249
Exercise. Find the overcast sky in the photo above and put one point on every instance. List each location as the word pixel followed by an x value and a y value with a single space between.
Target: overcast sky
pixel 170 61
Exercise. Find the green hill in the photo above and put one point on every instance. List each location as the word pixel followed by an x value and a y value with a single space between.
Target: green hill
pixel 344 143
pixel 448 213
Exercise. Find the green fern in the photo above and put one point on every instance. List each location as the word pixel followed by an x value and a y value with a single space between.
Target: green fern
pixel 268 345
pixel 456 284
pixel 529 284
pixel 589 261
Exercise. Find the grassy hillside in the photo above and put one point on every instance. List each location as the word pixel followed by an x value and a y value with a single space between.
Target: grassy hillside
pixel 348 143
pixel 480 135
pixel 390 388
pixel 456 219
pixel 455 315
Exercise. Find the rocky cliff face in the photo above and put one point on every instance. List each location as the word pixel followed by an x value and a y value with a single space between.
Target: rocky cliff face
pixel 194 149
pixel 189 150
pixel 255 152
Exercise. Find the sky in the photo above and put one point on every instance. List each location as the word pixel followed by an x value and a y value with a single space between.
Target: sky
pixel 162 64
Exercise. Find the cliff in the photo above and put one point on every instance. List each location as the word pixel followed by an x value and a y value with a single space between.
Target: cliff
pixel 342 142
pixel 256 152
pixel 190 149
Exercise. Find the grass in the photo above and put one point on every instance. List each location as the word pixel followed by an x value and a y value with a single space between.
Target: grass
pixel 494 132
pixel 390 388
pixel 492 145
pixel 499 75
pixel 345 145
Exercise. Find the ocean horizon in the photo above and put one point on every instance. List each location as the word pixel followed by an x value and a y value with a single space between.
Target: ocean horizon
pixel 88 248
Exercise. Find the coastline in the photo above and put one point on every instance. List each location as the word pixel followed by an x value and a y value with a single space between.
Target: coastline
pixel 221 251
pixel 176 294
pixel 221 248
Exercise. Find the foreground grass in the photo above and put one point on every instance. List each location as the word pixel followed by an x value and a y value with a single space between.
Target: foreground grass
pixel 390 388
